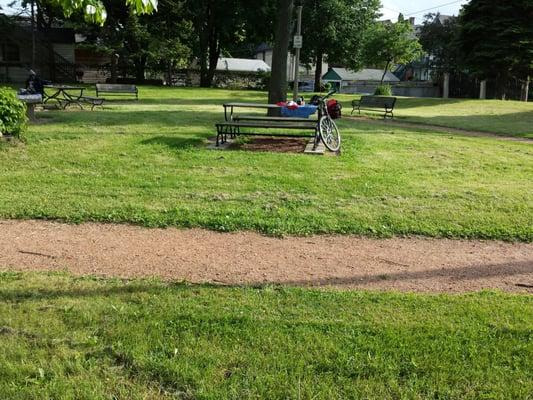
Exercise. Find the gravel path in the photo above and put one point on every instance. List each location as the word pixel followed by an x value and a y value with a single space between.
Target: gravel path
pixel 195 255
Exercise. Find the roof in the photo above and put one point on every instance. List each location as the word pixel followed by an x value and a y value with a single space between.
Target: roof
pixel 262 47
pixel 242 65
pixel 367 74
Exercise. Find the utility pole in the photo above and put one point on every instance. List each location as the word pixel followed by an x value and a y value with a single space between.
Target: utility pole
pixel 297 44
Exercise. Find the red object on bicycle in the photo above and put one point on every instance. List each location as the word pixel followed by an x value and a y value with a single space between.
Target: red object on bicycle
pixel 334 108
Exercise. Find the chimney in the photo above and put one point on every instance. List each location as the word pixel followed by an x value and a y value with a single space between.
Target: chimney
pixel 412 20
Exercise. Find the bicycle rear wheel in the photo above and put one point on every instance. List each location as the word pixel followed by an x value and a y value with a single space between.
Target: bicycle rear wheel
pixel 329 133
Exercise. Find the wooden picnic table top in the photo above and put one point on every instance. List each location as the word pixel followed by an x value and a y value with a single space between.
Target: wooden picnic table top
pixel 64 87
pixel 251 105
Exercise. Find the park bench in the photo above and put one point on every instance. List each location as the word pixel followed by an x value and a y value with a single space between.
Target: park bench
pixel 117 89
pixel 375 103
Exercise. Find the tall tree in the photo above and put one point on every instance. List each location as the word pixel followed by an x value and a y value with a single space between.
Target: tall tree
pixel 277 90
pixel 438 38
pixel 220 25
pixel 496 39
pixel 391 43
pixel 334 31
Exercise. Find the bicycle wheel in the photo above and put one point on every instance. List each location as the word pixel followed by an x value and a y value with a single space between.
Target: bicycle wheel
pixel 329 133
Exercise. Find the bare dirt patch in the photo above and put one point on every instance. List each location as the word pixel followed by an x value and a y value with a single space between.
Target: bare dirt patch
pixel 273 144
pixel 195 255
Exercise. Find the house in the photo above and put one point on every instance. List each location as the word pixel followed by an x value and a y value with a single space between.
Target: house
pixel 421 70
pixel 52 57
pixel 363 81
pixel 242 65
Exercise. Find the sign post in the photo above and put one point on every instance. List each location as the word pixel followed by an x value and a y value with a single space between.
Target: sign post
pixel 297 44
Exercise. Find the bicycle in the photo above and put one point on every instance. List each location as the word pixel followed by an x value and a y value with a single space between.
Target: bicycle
pixel 327 130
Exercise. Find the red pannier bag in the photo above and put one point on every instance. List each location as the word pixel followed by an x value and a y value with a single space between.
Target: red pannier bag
pixel 334 108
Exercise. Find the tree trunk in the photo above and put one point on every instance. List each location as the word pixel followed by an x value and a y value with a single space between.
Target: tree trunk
pixel 209 48
pixel 278 76
pixel 525 90
pixel 140 68
pixel 114 61
pixel 318 70
pixel 385 72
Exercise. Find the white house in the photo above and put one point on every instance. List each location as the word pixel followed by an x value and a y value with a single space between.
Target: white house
pixel 242 65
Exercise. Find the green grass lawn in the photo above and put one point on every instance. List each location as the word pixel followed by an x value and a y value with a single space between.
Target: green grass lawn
pixel 84 338
pixel 147 163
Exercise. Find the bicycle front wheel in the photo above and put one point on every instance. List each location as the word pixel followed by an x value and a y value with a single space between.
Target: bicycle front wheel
pixel 329 133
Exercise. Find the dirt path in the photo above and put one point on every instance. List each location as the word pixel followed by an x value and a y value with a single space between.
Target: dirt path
pixel 195 255
pixel 438 128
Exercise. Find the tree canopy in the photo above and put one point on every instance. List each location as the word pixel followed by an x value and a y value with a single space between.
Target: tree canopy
pixel 496 39
pixel 334 31
pixel 438 38
pixel 391 43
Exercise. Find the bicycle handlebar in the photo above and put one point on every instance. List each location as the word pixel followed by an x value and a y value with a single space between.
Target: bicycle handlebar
pixel 329 94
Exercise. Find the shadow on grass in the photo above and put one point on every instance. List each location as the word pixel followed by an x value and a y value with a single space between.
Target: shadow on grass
pixel 177 118
pixel 519 124
pixel 174 142
pixel 450 275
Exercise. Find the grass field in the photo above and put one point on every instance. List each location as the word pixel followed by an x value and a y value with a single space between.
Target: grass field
pixel 147 163
pixel 63 338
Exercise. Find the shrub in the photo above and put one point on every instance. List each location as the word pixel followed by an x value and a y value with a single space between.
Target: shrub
pixel 12 113
pixel 383 90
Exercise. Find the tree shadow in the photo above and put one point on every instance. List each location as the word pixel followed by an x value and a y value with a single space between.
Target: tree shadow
pixel 453 274
pixel 518 124
pixel 133 286
pixel 176 118
pixel 174 142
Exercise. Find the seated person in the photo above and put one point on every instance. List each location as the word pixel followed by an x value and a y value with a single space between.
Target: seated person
pixel 34 84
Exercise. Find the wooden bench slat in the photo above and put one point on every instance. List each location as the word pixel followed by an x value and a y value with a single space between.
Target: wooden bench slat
pixel 118 89
pixel 265 118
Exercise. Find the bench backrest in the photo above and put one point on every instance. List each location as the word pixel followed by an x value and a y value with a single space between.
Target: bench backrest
pixel 115 87
pixel 378 101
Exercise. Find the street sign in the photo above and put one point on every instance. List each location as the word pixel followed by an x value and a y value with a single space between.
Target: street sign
pixel 297 42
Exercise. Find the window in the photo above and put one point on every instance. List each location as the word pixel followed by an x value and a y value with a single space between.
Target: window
pixel 10 52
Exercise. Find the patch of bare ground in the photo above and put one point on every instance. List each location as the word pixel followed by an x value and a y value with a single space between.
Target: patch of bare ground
pixel 247 258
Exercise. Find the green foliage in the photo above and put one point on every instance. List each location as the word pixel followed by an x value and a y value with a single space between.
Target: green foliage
pixel 496 39
pixel 335 29
pixel 383 90
pixel 391 43
pixel 147 163
pixel 12 113
pixel 66 337
pixel 438 40
pixel 95 10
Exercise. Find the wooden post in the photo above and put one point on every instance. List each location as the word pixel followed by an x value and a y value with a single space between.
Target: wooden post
pixel 525 90
pixel 446 86
pixel 483 90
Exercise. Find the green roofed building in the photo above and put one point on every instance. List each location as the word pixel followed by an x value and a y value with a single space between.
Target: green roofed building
pixel 363 81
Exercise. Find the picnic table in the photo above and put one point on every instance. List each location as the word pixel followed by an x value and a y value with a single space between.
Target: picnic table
pixel 63 94
pixel 231 106
pixel 233 122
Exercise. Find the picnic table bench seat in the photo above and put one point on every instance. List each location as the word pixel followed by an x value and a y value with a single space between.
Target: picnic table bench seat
pixel 233 127
pixel 117 89
pixel 375 103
